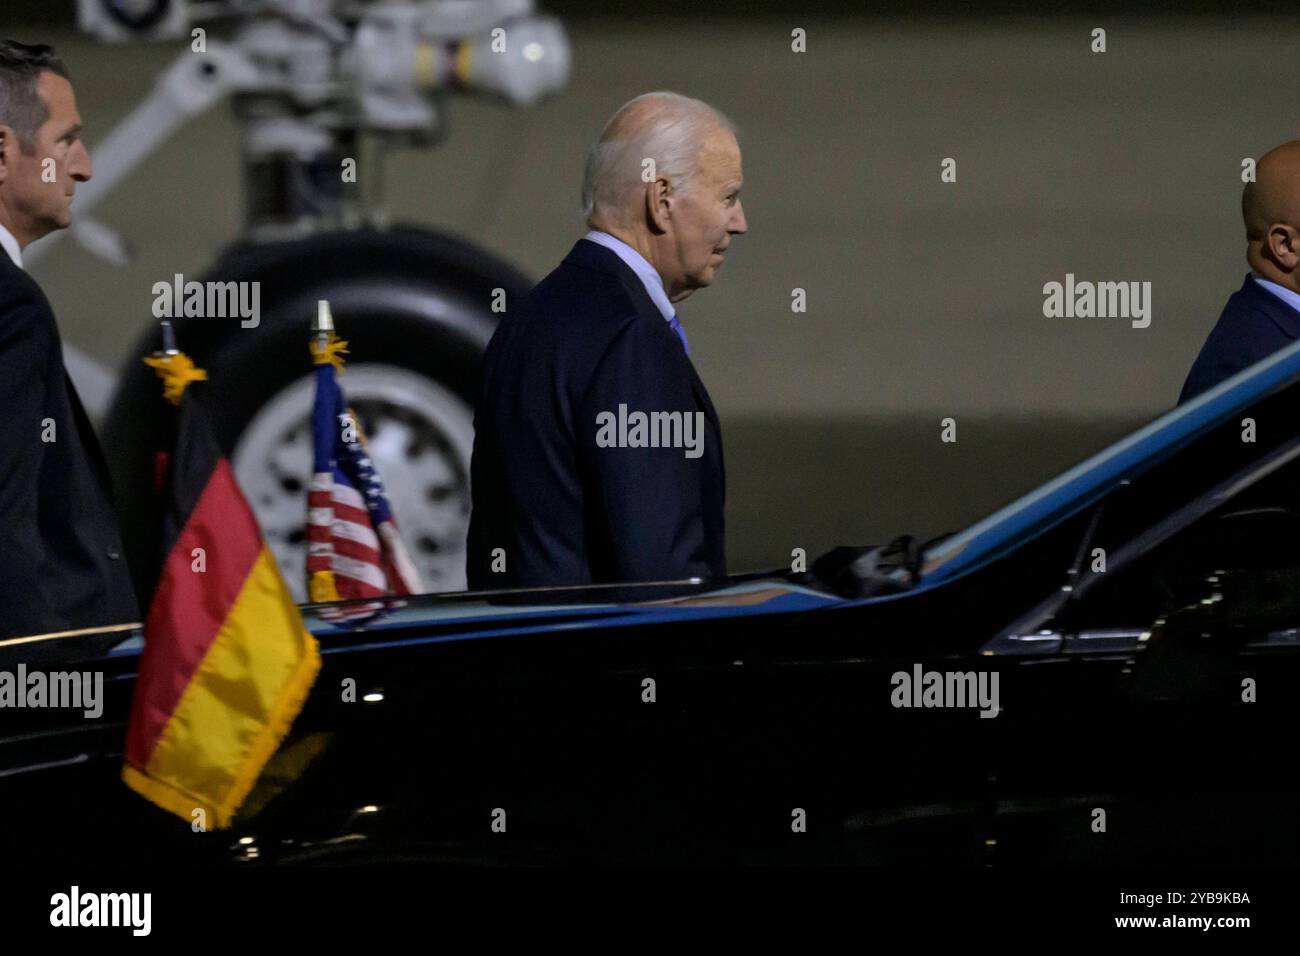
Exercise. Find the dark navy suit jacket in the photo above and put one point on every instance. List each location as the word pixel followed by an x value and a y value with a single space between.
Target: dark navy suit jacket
pixel 61 563
pixel 1254 324
pixel 564 510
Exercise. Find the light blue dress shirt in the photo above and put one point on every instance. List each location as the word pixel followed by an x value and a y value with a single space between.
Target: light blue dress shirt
pixel 1286 295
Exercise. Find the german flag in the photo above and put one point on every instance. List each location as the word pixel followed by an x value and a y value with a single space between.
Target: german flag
pixel 227 661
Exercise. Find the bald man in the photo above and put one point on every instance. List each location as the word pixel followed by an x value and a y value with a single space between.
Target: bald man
pixel 1262 316
pixel 597 452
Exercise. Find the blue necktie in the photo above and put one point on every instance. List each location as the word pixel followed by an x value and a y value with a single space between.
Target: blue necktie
pixel 681 333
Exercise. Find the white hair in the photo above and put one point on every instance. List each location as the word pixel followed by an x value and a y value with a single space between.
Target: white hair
pixel 671 134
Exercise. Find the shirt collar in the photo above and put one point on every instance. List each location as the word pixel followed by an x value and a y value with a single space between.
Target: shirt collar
pixel 11 246
pixel 1286 295
pixel 651 279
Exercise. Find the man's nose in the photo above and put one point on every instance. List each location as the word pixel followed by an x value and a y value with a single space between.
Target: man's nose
pixel 738 224
pixel 79 165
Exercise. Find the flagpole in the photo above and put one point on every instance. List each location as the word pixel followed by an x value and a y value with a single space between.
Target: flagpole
pixel 173 366
pixel 168 339
pixel 323 324
pixel 321 586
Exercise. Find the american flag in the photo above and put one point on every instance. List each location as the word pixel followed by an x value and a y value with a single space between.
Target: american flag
pixel 353 549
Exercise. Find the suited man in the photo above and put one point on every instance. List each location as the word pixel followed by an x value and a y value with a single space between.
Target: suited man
pixel 61 564
pixel 559 497
pixel 1262 316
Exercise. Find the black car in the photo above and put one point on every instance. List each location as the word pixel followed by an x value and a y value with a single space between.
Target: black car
pixel 1105 671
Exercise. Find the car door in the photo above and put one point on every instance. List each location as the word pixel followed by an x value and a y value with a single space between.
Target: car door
pixel 1159 685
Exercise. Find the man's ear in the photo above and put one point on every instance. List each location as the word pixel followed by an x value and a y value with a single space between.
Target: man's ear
pixel 658 204
pixel 1283 243
pixel 8 143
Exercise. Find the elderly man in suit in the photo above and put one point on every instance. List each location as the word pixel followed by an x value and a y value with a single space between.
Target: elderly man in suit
pixel 1262 316
pixel 597 452
pixel 61 564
